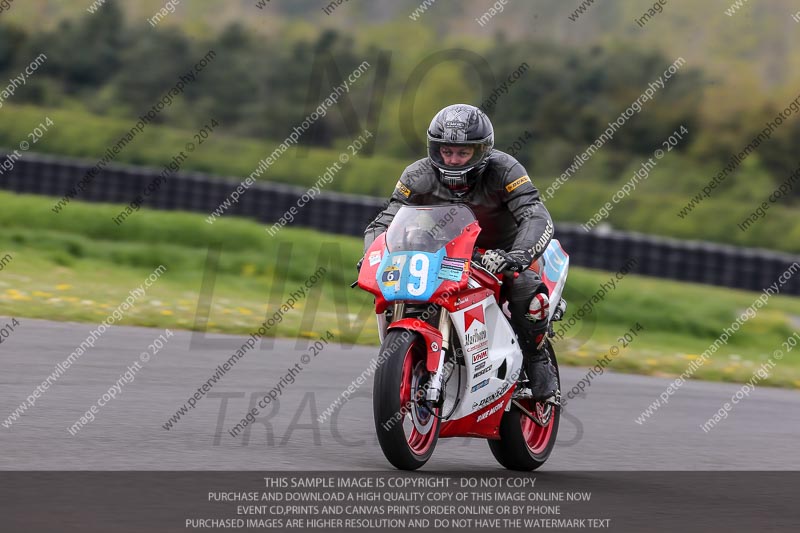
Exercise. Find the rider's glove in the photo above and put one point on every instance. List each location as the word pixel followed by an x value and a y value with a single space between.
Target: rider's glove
pixel 499 260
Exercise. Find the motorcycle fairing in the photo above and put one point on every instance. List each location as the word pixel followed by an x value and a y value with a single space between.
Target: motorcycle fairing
pixel 488 342
pixel 556 267
pixel 367 276
pixel 388 275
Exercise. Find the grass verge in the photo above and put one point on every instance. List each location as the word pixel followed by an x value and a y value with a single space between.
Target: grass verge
pixel 79 266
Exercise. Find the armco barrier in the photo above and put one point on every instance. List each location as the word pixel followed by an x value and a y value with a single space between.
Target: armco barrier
pixel 693 261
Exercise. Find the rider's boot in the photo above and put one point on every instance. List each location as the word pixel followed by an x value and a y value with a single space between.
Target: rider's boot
pixel 529 320
pixel 535 358
pixel 539 369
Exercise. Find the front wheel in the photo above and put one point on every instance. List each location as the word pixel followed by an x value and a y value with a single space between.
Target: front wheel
pixel 525 444
pixel 407 429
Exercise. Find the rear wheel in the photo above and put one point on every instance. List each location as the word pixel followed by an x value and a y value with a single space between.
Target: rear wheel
pixel 525 444
pixel 407 429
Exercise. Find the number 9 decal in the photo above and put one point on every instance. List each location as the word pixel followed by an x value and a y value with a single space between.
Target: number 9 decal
pixel 418 268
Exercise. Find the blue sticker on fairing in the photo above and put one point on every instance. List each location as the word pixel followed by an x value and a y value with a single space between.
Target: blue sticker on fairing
pixel 411 276
pixel 555 260
pixel 480 385
pixel 450 274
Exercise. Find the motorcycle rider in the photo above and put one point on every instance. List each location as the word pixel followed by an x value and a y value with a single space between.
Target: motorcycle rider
pixel 463 167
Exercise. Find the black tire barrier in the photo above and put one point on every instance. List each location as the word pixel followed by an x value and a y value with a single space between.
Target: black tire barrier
pixel 347 214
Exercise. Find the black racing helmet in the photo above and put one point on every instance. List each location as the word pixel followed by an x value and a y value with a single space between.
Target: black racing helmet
pixel 460 125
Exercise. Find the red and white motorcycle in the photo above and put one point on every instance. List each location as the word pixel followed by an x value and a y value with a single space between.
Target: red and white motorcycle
pixel 450 363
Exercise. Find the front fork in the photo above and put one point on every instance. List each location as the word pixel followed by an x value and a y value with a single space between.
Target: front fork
pixel 434 392
pixel 435 388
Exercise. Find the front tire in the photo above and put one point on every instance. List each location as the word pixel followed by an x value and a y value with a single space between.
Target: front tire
pixel 523 444
pixel 407 430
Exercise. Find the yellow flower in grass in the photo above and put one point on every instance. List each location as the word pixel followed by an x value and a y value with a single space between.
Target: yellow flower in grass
pixel 651 362
pixel 71 299
pixel 63 287
pixel 248 269
pixel 167 312
pixel 244 311
pixel 308 334
pixel 690 356
pixel 797 383
pixel 20 297
pixel 40 294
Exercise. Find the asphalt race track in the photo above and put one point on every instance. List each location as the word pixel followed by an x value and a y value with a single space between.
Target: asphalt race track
pixel 598 431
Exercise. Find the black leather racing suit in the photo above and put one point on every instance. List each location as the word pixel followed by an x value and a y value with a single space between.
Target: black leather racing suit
pixel 511 216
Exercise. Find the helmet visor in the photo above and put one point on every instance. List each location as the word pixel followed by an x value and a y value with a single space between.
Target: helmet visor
pixel 456 157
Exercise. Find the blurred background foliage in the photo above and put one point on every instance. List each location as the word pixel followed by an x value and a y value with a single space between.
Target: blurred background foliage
pixel 105 69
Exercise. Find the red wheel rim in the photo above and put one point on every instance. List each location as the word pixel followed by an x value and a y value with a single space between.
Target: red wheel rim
pixel 419 426
pixel 537 437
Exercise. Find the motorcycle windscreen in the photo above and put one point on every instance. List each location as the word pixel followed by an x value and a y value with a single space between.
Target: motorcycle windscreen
pixel 427 228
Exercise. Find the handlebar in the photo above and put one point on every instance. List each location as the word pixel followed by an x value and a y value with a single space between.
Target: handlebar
pixel 476 260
